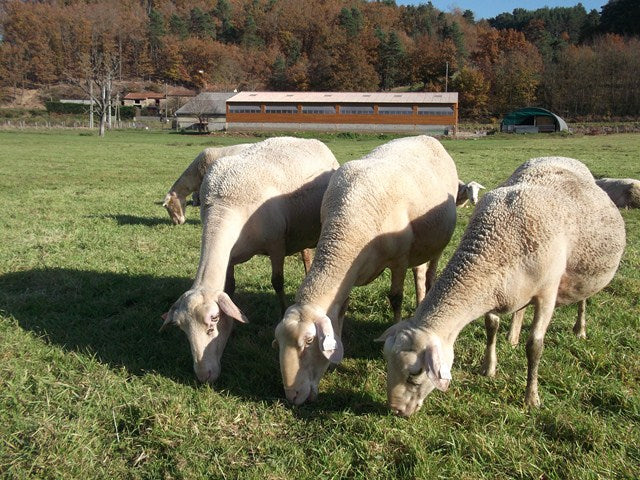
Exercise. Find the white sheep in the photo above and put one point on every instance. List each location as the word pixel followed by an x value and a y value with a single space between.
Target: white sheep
pixel 394 208
pixel 548 236
pixel 624 192
pixel 265 200
pixel 175 201
pixel 468 192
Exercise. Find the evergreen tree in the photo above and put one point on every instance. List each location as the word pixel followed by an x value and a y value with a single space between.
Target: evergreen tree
pixel 227 31
pixel 351 20
pixel 390 59
pixel 201 24
pixel 249 37
pixel 156 32
pixel 178 26
pixel 454 33
pixel 621 16
pixel 278 79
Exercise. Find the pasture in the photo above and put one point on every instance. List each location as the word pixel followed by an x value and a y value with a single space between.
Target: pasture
pixel 89 388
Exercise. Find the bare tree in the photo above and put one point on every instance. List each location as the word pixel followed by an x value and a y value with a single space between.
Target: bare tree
pixel 201 107
pixel 98 69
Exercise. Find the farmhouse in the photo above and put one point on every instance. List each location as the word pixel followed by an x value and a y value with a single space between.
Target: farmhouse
pixel 172 98
pixel 143 99
pixel 406 112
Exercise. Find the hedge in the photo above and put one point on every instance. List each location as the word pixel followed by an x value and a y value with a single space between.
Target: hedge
pixel 126 113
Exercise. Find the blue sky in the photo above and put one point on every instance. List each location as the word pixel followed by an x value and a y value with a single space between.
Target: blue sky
pixel 491 8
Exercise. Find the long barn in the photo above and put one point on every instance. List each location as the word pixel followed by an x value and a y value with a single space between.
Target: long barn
pixel 413 112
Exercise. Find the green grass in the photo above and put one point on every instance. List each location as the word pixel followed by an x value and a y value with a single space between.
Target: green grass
pixel 90 389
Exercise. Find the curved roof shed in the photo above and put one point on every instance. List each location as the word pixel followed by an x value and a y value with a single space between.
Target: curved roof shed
pixel 532 120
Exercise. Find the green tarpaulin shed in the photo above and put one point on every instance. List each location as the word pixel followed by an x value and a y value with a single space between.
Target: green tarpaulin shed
pixel 532 120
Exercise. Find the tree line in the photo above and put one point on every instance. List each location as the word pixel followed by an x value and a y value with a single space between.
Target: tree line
pixel 574 62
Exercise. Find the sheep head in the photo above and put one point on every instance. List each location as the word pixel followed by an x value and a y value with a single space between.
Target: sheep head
pixel 175 205
pixel 468 192
pixel 417 362
pixel 307 345
pixel 207 318
pixel 473 189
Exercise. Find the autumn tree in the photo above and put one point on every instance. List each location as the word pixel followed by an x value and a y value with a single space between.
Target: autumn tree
pixel 429 58
pixel 473 91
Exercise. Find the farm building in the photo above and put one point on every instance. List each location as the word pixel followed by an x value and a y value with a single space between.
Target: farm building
pixel 408 112
pixel 173 98
pixel 532 120
pixel 206 112
pixel 143 99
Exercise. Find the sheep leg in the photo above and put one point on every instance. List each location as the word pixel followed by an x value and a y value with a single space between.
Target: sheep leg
pixel 277 277
pixel 535 345
pixel 580 327
pixel 230 281
pixel 420 281
pixel 306 259
pixel 516 325
pixel 398 275
pixel 490 361
pixel 338 328
pixel 432 271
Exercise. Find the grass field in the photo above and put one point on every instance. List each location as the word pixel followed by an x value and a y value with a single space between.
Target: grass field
pixel 90 389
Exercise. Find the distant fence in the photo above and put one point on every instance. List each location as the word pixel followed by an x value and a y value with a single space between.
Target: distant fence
pixel 21 124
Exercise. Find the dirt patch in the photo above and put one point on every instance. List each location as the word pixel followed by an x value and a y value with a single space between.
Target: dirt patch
pixel 28 99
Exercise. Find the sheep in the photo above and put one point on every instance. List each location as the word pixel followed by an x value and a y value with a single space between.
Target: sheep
pixel 264 200
pixel 468 192
pixel 548 236
pixel 624 192
pixel 394 208
pixel 175 200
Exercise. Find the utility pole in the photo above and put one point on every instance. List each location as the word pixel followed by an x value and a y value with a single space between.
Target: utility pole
pixel 446 78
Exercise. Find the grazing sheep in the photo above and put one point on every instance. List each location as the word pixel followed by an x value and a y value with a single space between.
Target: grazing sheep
pixel 624 192
pixel 548 236
pixel 264 200
pixel 175 200
pixel 468 192
pixel 394 208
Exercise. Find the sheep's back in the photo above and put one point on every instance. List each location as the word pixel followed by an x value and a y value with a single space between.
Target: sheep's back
pixel 409 174
pixel 276 166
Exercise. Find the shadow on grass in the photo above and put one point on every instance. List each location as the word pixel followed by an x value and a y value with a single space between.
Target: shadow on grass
pixel 146 221
pixel 116 317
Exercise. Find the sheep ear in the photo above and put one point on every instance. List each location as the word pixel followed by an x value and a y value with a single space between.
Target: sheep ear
pixel 165 202
pixel 391 331
pixel 230 308
pixel 437 370
pixel 330 346
pixel 167 321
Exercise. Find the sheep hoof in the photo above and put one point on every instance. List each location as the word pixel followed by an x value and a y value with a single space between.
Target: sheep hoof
pixel 488 371
pixel 532 400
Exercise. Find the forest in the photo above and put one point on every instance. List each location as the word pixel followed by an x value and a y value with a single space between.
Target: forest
pixel 579 63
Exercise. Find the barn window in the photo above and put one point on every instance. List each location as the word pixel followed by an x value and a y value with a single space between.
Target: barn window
pixel 395 110
pixel 356 109
pixel 445 111
pixel 244 108
pixel 321 109
pixel 282 109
